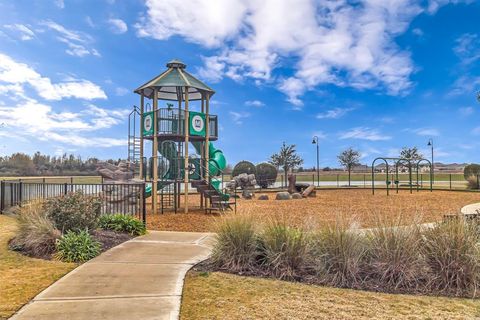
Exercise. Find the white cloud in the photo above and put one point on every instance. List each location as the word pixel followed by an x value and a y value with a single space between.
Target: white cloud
pixel 21 31
pixel 78 43
pixel 118 26
pixel 121 91
pixel 34 120
pixel 60 4
pixel 476 131
pixel 334 113
pixel 89 22
pixel 13 75
pixel 364 133
pixel 238 117
pixel 418 32
pixel 434 5
pixel 465 85
pixel 331 42
pixel 425 132
pixel 467 48
pixel 254 103
pixel 466 111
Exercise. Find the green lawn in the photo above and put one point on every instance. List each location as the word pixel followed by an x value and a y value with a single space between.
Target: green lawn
pixel 21 277
pixel 219 295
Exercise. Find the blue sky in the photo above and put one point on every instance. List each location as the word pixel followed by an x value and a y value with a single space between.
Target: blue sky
pixel 375 75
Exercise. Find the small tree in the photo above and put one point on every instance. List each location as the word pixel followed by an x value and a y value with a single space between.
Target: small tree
pixel 287 158
pixel 266 174
pixel 411 154
pixel 349 158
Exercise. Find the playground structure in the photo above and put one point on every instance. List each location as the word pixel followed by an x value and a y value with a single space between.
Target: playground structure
pixel 170 130
pixel 397 162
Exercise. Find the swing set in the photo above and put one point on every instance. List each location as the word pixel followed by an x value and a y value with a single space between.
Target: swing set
pixel 396 181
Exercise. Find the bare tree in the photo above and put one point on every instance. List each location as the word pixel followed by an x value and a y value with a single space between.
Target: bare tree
pixel 349 158
pixel 411 154
pixel 287 158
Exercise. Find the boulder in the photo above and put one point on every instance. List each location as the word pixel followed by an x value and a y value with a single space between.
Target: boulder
pixel 283 196
pixel 263 197
pixel 296 195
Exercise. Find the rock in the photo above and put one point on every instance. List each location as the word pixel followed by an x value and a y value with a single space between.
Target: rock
pixel 283 196
pixel 263 197
pixel 308 191
pixel 313 194
pixel 296 195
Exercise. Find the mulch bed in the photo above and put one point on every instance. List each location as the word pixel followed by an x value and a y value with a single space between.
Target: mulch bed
pixel 109 239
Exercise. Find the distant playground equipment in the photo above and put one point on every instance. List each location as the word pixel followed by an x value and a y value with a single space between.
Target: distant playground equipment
pixel 399 161
pixel 172 168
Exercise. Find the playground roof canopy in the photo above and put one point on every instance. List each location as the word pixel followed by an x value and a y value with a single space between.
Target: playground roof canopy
pixel 171 82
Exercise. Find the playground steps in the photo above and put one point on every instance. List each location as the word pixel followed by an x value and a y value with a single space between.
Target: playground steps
pixel 216 201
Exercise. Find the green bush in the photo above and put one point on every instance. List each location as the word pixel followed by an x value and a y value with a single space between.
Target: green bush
pixel 74 211
pixel 236 247
pixel 471 170
pixel 452 251
pixel 36 233
pixel 122 223
pixel 243 167
pixel 77 247
pixel 284 250
pixel 473 183
pixel 266 174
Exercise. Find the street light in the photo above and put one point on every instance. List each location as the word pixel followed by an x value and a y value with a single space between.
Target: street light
pixel 315 141
pixel 430 144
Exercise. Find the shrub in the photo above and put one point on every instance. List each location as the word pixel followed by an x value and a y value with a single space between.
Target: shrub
pixel 284 250
pixel 243 167
pixel 473 182
pixel 77 247
pixel 74 211
pixel 395 260
pixel 122 223
pixel 340 256
pixel 236 247
pixel 36 234
pixel 471 170
pixel 452 251
pixel 266 174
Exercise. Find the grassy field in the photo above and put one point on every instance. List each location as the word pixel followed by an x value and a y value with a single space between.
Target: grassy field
pixel 21 277
pixel 329 205
pixel 225 296
pixel 58 179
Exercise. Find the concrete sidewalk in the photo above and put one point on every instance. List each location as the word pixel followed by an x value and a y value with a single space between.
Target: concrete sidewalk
pixel 139 279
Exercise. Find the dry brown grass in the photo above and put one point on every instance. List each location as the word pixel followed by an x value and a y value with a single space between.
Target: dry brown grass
pixel 224 296
pixel 325 209
pixel 21 277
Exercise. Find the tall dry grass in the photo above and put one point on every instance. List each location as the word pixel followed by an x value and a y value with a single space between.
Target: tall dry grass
pixel 37 234
pixel 441 259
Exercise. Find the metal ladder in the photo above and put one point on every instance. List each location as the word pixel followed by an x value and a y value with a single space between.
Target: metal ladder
pixel 134 140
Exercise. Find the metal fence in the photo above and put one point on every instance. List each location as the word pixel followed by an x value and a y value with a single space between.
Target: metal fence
pixel 116 198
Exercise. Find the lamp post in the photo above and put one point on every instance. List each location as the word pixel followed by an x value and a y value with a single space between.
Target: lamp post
pixel 430 144
pixel 315 141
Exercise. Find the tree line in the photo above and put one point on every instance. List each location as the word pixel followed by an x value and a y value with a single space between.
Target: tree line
pixel 21 164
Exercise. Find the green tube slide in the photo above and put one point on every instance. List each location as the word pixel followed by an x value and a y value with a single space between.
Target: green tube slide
pixel 216 160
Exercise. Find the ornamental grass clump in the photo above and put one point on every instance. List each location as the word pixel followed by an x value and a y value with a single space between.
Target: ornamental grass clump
pixel 452 251
pixel 36 235
pixel 74 211
pixel 339 256
pixel 236 247
pixel 284 250
pixel 77 247
pixel 395 261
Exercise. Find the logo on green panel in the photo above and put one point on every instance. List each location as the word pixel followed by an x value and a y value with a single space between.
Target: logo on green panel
pixel 147 124
pixel 197 123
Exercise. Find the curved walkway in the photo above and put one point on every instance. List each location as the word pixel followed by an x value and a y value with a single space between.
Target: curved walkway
pixel 139 279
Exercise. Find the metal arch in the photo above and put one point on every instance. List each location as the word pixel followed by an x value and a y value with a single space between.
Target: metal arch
pixel 397 161
pixel 431 172
pixel 373 172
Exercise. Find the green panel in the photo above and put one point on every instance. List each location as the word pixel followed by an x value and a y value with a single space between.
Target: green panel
pixel 147 124
pixel 197 123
